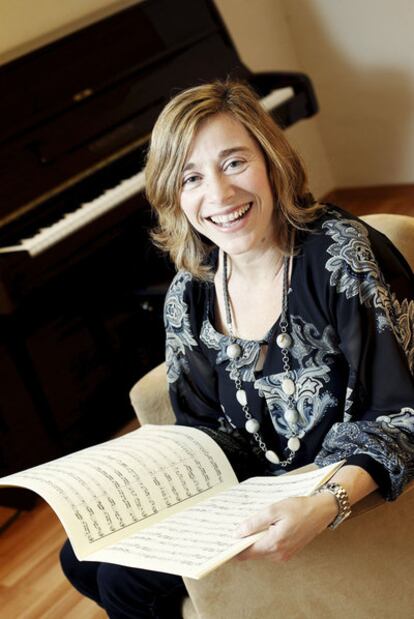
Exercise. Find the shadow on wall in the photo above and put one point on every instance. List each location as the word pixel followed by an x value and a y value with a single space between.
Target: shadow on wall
pixel 366 111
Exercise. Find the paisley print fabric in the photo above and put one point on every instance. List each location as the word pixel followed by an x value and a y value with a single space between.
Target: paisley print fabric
pixel 355 272
pixel 177 327
pixel 353 265
pixel 401 319
pixel 404 420
pixel 309 347
pixel 389 440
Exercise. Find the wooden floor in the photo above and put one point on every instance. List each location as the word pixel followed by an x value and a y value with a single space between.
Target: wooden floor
pixel 32 585
pixel 397 199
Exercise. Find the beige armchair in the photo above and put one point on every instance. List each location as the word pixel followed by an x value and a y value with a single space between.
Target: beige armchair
pixel 361 570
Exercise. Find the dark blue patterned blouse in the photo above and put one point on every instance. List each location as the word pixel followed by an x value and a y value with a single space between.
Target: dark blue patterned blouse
pixel 351 313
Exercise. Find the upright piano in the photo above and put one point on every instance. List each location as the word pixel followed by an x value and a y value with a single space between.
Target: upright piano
pixel 81 287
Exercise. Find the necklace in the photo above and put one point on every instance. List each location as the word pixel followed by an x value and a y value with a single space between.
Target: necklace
pixel 284 342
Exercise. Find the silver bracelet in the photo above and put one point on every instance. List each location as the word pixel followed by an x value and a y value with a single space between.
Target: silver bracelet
pixel 342 501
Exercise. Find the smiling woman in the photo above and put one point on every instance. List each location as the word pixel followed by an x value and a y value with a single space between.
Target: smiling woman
pixel 266 331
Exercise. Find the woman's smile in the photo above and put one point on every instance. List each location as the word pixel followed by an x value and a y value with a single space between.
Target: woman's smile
pixel 230 219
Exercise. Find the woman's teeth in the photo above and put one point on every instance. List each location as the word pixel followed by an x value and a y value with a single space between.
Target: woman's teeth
pixel 226 219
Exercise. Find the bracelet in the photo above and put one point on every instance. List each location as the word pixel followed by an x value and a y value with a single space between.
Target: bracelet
pixel 342 501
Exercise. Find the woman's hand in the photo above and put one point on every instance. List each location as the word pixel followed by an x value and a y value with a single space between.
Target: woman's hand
pixel 290 524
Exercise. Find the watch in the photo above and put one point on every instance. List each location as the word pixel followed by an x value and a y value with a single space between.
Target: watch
pixel 342 501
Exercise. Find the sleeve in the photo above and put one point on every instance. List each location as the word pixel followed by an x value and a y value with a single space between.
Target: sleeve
pixel 371 304
pixel 191 376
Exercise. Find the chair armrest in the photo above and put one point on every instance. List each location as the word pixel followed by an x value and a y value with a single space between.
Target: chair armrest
pixel 150 400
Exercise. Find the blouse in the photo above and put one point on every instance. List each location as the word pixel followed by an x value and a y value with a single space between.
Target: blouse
pixel 351 318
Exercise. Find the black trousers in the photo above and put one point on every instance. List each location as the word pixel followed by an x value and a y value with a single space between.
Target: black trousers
pixel 125 592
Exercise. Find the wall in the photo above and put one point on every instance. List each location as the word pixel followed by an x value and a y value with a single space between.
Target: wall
pixel 360 56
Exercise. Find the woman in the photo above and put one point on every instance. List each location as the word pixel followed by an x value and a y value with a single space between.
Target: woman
pixel 289 329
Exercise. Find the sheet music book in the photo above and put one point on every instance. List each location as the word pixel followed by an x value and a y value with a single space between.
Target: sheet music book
pixel 162 498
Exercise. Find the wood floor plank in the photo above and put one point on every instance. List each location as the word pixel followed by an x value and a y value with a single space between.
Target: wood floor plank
pixel 32 584
pixel 66 607
pixel 5 514
pixel 26 551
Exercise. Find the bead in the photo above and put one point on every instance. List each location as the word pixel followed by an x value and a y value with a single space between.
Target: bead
pixel 241 397
pixel 252 426
pixel 284 340
pixel 233 351
pixel 294 443
pixel 272 457
pixel 288 386
pixel 291 415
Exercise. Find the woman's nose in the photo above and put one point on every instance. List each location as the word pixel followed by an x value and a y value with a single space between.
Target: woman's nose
pixel 219 189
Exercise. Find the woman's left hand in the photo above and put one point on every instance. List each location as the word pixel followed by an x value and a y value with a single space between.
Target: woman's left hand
pixel 291 524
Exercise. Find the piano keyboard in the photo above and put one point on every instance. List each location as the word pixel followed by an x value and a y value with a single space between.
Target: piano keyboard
pixel 88 212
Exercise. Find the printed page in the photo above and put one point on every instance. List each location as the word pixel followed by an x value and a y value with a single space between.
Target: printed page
pixel 104 493
pixel 195 541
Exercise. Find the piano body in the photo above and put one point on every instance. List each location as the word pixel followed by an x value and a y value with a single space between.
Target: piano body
pixel 81 287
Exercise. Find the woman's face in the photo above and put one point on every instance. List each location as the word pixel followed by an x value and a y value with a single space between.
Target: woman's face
pixel 225 190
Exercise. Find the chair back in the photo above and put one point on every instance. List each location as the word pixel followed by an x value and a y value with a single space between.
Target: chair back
pixel 398 228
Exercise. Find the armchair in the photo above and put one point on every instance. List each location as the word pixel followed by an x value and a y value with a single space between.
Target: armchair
pixel 362 570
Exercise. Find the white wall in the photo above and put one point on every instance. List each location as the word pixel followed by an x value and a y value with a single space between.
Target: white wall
pixel 360 56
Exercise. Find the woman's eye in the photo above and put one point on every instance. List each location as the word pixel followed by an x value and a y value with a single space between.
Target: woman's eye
pixel 234 164
pixel 190 180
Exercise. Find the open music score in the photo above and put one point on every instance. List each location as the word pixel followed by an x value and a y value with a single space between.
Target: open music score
pixel 90 211
pixel 163 498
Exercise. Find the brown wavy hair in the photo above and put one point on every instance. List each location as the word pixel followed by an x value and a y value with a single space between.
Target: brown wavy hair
pixel 170 143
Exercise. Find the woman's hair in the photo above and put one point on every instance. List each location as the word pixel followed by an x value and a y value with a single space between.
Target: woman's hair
pixel 171 141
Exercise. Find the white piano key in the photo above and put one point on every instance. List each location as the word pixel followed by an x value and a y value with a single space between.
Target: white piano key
pixel 90 210
pixel 12 248
pixel 85 214
pixel 277 97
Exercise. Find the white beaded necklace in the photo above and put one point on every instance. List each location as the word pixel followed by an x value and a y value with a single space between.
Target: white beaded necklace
pixel 284 342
